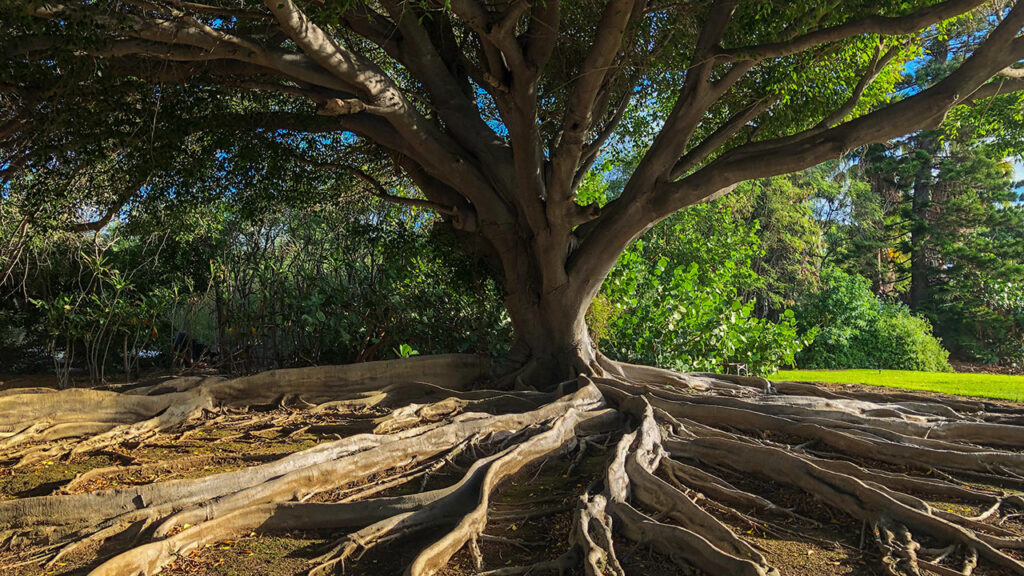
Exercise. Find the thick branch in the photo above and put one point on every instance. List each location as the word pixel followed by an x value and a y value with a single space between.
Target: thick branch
pixel 997 87
pixel 115 207
pixel 473 13
pixel 349 67
pixel 1011 72
pixel 624 219
pixel 874 69
pixel 442 158
pixel 217 10
pixel 874 24
pixel 696 97
pixel 593 149
pixel 542 34
pixel 379 191
pixel 217 43
pixel 423 59
pixel 579 115
pixel 720 136
pixel 100 223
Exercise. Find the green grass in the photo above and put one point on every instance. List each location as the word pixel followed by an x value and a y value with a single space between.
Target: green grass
pixel 985 385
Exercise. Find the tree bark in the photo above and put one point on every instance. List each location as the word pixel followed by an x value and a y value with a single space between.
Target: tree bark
pixel 547 309
pixel 919 232
pixel 490 169
pixel 552 343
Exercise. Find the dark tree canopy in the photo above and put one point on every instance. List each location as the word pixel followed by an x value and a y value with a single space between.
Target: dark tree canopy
pixel 493 111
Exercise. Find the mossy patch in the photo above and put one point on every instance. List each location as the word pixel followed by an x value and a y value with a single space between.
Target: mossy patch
pixel 277 555
pixel 45 477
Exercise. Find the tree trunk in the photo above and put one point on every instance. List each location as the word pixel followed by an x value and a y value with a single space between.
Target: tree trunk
pixel 547 309
pixel 552 343
pixel 919 232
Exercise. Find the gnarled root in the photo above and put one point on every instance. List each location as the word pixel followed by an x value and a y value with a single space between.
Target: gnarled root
pixel 107 418
pixel 686 459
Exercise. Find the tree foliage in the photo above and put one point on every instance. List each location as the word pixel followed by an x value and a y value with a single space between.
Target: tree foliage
pixel 489 114
pixel 306 284
pixel 678 299
pixel 858 330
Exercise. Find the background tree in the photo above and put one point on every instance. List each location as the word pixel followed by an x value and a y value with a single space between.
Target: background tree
pixel 683 298
pixel 790 236
pixel 954 214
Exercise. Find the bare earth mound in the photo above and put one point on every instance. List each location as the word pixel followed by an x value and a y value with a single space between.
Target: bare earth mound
pixel 415 466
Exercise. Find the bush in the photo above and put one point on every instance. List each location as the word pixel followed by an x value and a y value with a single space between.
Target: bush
pixel 326 286
pixel 674 300
pixel 902 341
pixel 982 320
pixel 857 330
pixel 287 287
pixel 842 309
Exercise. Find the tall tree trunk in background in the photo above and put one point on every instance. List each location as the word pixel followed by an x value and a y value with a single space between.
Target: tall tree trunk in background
pixel 927 144
pixel 920 234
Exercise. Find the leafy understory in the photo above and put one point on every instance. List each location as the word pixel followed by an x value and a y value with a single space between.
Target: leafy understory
pixel 413 465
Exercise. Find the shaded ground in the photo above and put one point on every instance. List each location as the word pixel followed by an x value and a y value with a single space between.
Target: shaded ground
pixel 49 380
pixel 532 510
pixel 530 513
pixel 529 522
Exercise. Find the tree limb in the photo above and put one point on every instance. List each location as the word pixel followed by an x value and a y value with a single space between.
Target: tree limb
pixel 874 69
pixel 379 191
pixel 113 210
pixel 874 24
pixel 696 97
pixel 423 58
pixel 625 218
pixel 579 114
pixel 720 136
pixel 997 87
pixel 1010 72
pixel 593 149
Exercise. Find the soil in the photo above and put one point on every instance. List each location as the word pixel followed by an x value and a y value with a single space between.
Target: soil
pixel 829 547
pixel 49 380
pixel 8 381
pixel 533 508
pixel 987 368
pixel 826 550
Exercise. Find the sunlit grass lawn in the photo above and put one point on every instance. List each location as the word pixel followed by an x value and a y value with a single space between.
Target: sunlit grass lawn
pixel 986 385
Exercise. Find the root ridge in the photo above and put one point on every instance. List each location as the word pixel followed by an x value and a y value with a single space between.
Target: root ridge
pixel 684 459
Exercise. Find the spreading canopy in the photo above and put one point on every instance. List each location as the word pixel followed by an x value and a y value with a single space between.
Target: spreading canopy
pixel 494 111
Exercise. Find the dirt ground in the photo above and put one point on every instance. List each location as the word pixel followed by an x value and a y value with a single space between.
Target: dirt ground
pixel 529 517
pixel 987 369
pixel 530 514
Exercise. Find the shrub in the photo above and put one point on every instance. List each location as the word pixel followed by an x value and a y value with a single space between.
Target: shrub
pixel 857 330
pixel 287 287
pixel 983 320
pixel 902 341
pixel 675 300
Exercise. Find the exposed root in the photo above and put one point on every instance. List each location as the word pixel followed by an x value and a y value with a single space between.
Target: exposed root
pixel 686 459
pixel 696 539
pixel 109 418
